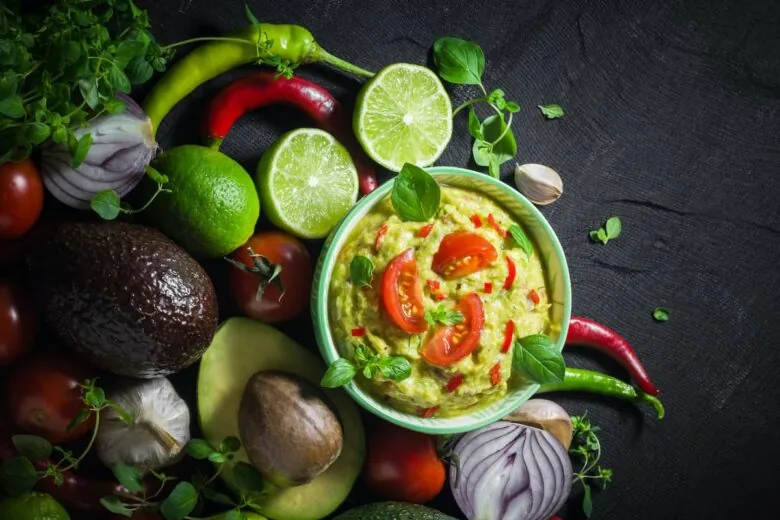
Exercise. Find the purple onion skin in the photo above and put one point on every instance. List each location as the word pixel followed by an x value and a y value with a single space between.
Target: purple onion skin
pixel 510 471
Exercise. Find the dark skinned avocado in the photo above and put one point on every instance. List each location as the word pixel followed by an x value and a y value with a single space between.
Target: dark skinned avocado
pixel 393 511
pixel 289 429
pixel 124 296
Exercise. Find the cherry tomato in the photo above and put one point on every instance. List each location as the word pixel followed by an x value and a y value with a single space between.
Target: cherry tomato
pixel 462 253
pixel 21 198
pixel 402 296
pixel 43 394
pixel 453 343
pixel 403 465
pixel 17 323
pixel 274 248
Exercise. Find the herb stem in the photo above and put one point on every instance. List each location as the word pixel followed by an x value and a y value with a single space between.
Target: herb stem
pixel 468 103
pixel 160 189
pixel 209 39
pixel 506 129
pixel 482 88
pixel 95 429
pixel 215 475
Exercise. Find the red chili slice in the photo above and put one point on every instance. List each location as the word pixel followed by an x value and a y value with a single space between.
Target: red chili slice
pixel 452 343
pixel 380 236
pixel 509 335
pixel 454 382
pixel 492 221
pixel 427 413
pixel 495 374
pixel 425 231
pixel 439 296
pixel 488 287
pixel 462 253
pixel 511 274
pixel 476 221
pixel 359 331
pixel 534 296
pixel 433 285
pixel 402 295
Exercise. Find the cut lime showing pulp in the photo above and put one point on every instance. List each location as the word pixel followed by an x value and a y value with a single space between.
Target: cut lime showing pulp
pixel 403 115
pixel 307 182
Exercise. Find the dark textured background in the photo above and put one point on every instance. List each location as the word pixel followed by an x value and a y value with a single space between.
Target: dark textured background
pixel 673 123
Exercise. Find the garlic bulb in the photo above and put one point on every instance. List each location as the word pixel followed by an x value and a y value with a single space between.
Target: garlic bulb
pixel 159 430
pixel 540 184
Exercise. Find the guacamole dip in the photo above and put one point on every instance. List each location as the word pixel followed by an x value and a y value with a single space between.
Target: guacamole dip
pixel 450 295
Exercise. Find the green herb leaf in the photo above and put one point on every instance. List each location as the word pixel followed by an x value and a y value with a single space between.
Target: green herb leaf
pixel 230 445
pixel 482 152
pixel 661 314
pixel 116 506
pixel 95 397
pixel 155 175
pixel 246 477
pixel 89 91
pixel 601 236
pixel 251 16
pixel 118 79
pixel 416 194
pixel 614 227
pixel 361 271
pixel 216 457
pixel 551 111
pixel 12 107
pixel 521 239
pixel 363 354
pixel 444 316
pixel 505 149
pixel 199 449
pixel 123 414
pixel 81 151
pixel 37 132
pixel 180 503
pixel 106 204
pixel 17 476
pixel 494 168
pixel 139 70
pixel 82 416
pixel 235 514
pixel 587 501
pixel 339 373
pixel 128 50
pixel 216 497
pixel 33 447
pixel 129 477
pixel 512 107
pixel 475 127
pixel 535 357
pixel 459 61
pixel 396 368
pixel 496 95
pixel 114 106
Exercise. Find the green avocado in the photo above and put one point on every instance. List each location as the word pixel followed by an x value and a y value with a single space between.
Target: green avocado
pixel 241 348
pixel 124 296
pixel 393 511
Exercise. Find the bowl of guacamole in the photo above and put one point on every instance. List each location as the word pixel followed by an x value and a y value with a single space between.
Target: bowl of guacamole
pixel 426 315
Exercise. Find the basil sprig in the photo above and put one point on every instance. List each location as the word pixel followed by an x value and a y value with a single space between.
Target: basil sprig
pixel 416 194
pixel 536 359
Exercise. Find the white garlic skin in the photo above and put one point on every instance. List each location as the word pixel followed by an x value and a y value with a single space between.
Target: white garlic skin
pixel 540 184
pixel 158 433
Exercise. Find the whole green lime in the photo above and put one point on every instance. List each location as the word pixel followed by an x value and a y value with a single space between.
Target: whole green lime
pixel 32 506
pixel 213 205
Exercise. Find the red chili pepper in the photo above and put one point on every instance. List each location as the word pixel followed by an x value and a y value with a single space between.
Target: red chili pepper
pixel 488 287
pixel 492 221
pixel 427 413
pixel 454 382
pixel 534 296
pixel 433 285
pixel 495 374
pixel 511 274
pixel 509 335
pixel 476 220
pixel 380 236
pixel 359 331
pixel 589 333
pixel 263 88
pixel 439 296
pixel 425 231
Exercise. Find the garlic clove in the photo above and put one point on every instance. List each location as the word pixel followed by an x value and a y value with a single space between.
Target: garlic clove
pixel 540 184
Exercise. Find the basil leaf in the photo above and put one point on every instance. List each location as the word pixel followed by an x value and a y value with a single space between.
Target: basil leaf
pixel 496 95
pixel 481 151
pixel 594 235
pixel 587 501
pixel 129 477
pixel 506 149
pixel 246 477
pixel 442 315
pixel 494 168
pixel 37 132
pixel 602 236
pixel 82 416
pixel 230 445
pixel 216 457
pixel 12 107
pixel 106 204
pixel 180 503
pixel 114 106
pixel 459 61
pixel 339 373
pixel 361 271
pixel 138 70
pixel 363 354
pixel 33 447
pixel 118 79
pixel 81 151
pixel 199 449
pixel 116 506
pixel 89 91
pixel 416 194
pixel 614 227
pixel 95 397
pixel 512 107
pixel 475 127
pixel 396 368
pixel 661 314
pixel 551 111
pixel 17 476
pixel 534 357
pixel 127 51
pixel 521 239
pixel 370 370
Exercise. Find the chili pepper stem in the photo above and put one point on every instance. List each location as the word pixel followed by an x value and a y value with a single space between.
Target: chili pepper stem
pixel 320 54
pixel 214 144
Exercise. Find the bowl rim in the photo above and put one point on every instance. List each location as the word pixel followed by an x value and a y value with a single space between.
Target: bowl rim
pixel 321 319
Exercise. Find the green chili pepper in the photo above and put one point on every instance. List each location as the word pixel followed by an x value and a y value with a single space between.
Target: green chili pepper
pixel 291 43
pixel 578 380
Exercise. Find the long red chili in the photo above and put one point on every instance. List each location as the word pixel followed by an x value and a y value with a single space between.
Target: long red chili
pixel 263 88
pixel 589 333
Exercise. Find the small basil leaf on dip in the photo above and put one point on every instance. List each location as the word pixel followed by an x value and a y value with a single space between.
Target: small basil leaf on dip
pixel 536 359
pixel 361 271
pixel 416 194
pixel 443 316
pixel 521 239
pixel 396 368
pixel 339 373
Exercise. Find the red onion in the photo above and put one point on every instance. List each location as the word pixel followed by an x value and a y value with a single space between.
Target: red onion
pixel 510 471
pixel 122 145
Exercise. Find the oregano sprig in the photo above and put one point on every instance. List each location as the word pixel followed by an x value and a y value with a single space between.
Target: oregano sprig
pixel 587 448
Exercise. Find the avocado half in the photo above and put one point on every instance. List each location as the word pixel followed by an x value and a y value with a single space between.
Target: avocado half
pixel 123 296
pixel 394 511
pixel 241 348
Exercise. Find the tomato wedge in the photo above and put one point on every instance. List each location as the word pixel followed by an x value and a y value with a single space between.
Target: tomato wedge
pixel 402 295
pixel 462 253
pixel 453 343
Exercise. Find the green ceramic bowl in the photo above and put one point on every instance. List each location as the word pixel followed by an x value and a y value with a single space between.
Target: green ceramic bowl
pixel 553 262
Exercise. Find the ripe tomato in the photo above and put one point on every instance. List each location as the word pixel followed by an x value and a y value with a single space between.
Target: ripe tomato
pixel 403 465
pixel 462 253
pixel 402 296
pixel 17 323
pixel 21 198
pixel 43 394
pixel 274 248
pixel 453 343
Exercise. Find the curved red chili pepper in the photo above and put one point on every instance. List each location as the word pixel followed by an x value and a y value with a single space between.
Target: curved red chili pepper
pixel 425 231
pixel 511 273
pixel 454 382
pixel 509 336
pixel 589 333
pixel 263 88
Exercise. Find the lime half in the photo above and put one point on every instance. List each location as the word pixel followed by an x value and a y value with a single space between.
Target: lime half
pixel 307 182
pixel 403 114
